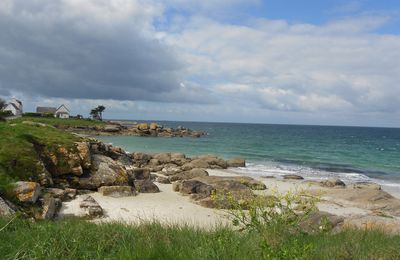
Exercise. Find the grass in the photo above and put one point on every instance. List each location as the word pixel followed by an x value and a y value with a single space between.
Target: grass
pixel 78 239
pixel 18 156
pixel 60 123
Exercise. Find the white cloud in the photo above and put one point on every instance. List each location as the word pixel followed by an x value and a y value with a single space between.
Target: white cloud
pixel 337 66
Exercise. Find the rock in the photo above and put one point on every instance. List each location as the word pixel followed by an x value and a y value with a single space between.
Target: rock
pixel 84 154
pixel 321 220
pixel 225 188
pixel 104 172
pixel 163 158
pixel 178 159
pixel 91 207
pixel 27 191
pixel 153 126
pixel 146 186
pixel 154 162
pixel 177 186
pixel 141 158
pixel 292 177
pixel 332 182
pixel 70 193
pixel 116 191
pixel 196 187
pixel 63 161
pixel 193 173
pixel 366 185
pixel 112 128
pixel 237 162
pixel 6 208
pixel 50 207
pixel 45 178
pixel 141 173
pixel 143 126
pixel 197 163
pixel 163 180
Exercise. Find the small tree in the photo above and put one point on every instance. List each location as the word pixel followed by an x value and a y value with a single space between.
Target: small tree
pixel 97 113
pixel 101 109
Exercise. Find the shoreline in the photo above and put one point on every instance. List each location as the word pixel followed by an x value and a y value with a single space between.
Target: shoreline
pixel 171 207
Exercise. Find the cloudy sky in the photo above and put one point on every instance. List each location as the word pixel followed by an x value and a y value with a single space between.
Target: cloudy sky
pixel 265 61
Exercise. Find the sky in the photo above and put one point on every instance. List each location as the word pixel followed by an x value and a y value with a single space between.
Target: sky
pixel 331 62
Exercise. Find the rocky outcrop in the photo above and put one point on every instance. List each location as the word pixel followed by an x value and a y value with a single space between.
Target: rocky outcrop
pixel 141 129
pixel 27 191
pixel 104 172
pixel 117 191
pixel 91 208
pixel 225 189
pixel 62 194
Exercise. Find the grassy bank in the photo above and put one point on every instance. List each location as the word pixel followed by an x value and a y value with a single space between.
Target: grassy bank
pixel 57 122
pixel 18 157
pixel 77 239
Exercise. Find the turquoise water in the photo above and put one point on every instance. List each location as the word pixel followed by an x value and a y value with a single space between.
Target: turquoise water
pixel 352 153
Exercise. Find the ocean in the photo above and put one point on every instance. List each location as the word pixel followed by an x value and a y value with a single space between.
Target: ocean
pixel 353 154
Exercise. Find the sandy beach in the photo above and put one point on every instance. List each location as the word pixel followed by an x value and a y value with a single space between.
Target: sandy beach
pixel 171 207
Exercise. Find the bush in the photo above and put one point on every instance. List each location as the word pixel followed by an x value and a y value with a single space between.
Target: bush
pixel 276 219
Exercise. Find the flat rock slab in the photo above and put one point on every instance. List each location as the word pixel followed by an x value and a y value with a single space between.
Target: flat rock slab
pixel 117 191
pixel 292 177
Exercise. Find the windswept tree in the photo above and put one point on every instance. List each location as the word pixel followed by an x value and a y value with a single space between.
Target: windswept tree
pixel 97 113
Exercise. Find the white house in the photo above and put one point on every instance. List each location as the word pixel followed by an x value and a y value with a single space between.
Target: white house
pixel 15 107
pixel 62 112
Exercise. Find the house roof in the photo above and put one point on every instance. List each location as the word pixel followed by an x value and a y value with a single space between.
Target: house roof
pixel 12 104
pixel 46 110
pixel 64 107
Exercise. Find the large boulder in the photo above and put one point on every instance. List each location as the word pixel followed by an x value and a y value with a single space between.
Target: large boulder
pixel 91 207
pixel 141 158
pixel 104 172
pixel 6 208
pixel 225 189
pixel 321 220
pixel 117 191
pixel 146 186
pixel 141 173
pixel 27 191
pixel 237 162
pixel 178 159
pixel 153 126
pixel 193 173
pixel 163 158
pixel 196 163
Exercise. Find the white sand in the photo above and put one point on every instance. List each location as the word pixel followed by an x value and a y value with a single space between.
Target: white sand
pixel 173 208
pixel 166 207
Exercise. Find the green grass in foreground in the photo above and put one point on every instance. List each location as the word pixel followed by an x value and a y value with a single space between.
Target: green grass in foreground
pixel 77 239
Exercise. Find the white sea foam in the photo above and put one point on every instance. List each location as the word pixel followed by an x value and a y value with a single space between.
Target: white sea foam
pixel 278 170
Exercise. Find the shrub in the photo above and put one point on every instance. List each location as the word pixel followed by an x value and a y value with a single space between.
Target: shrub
pixel 277 219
